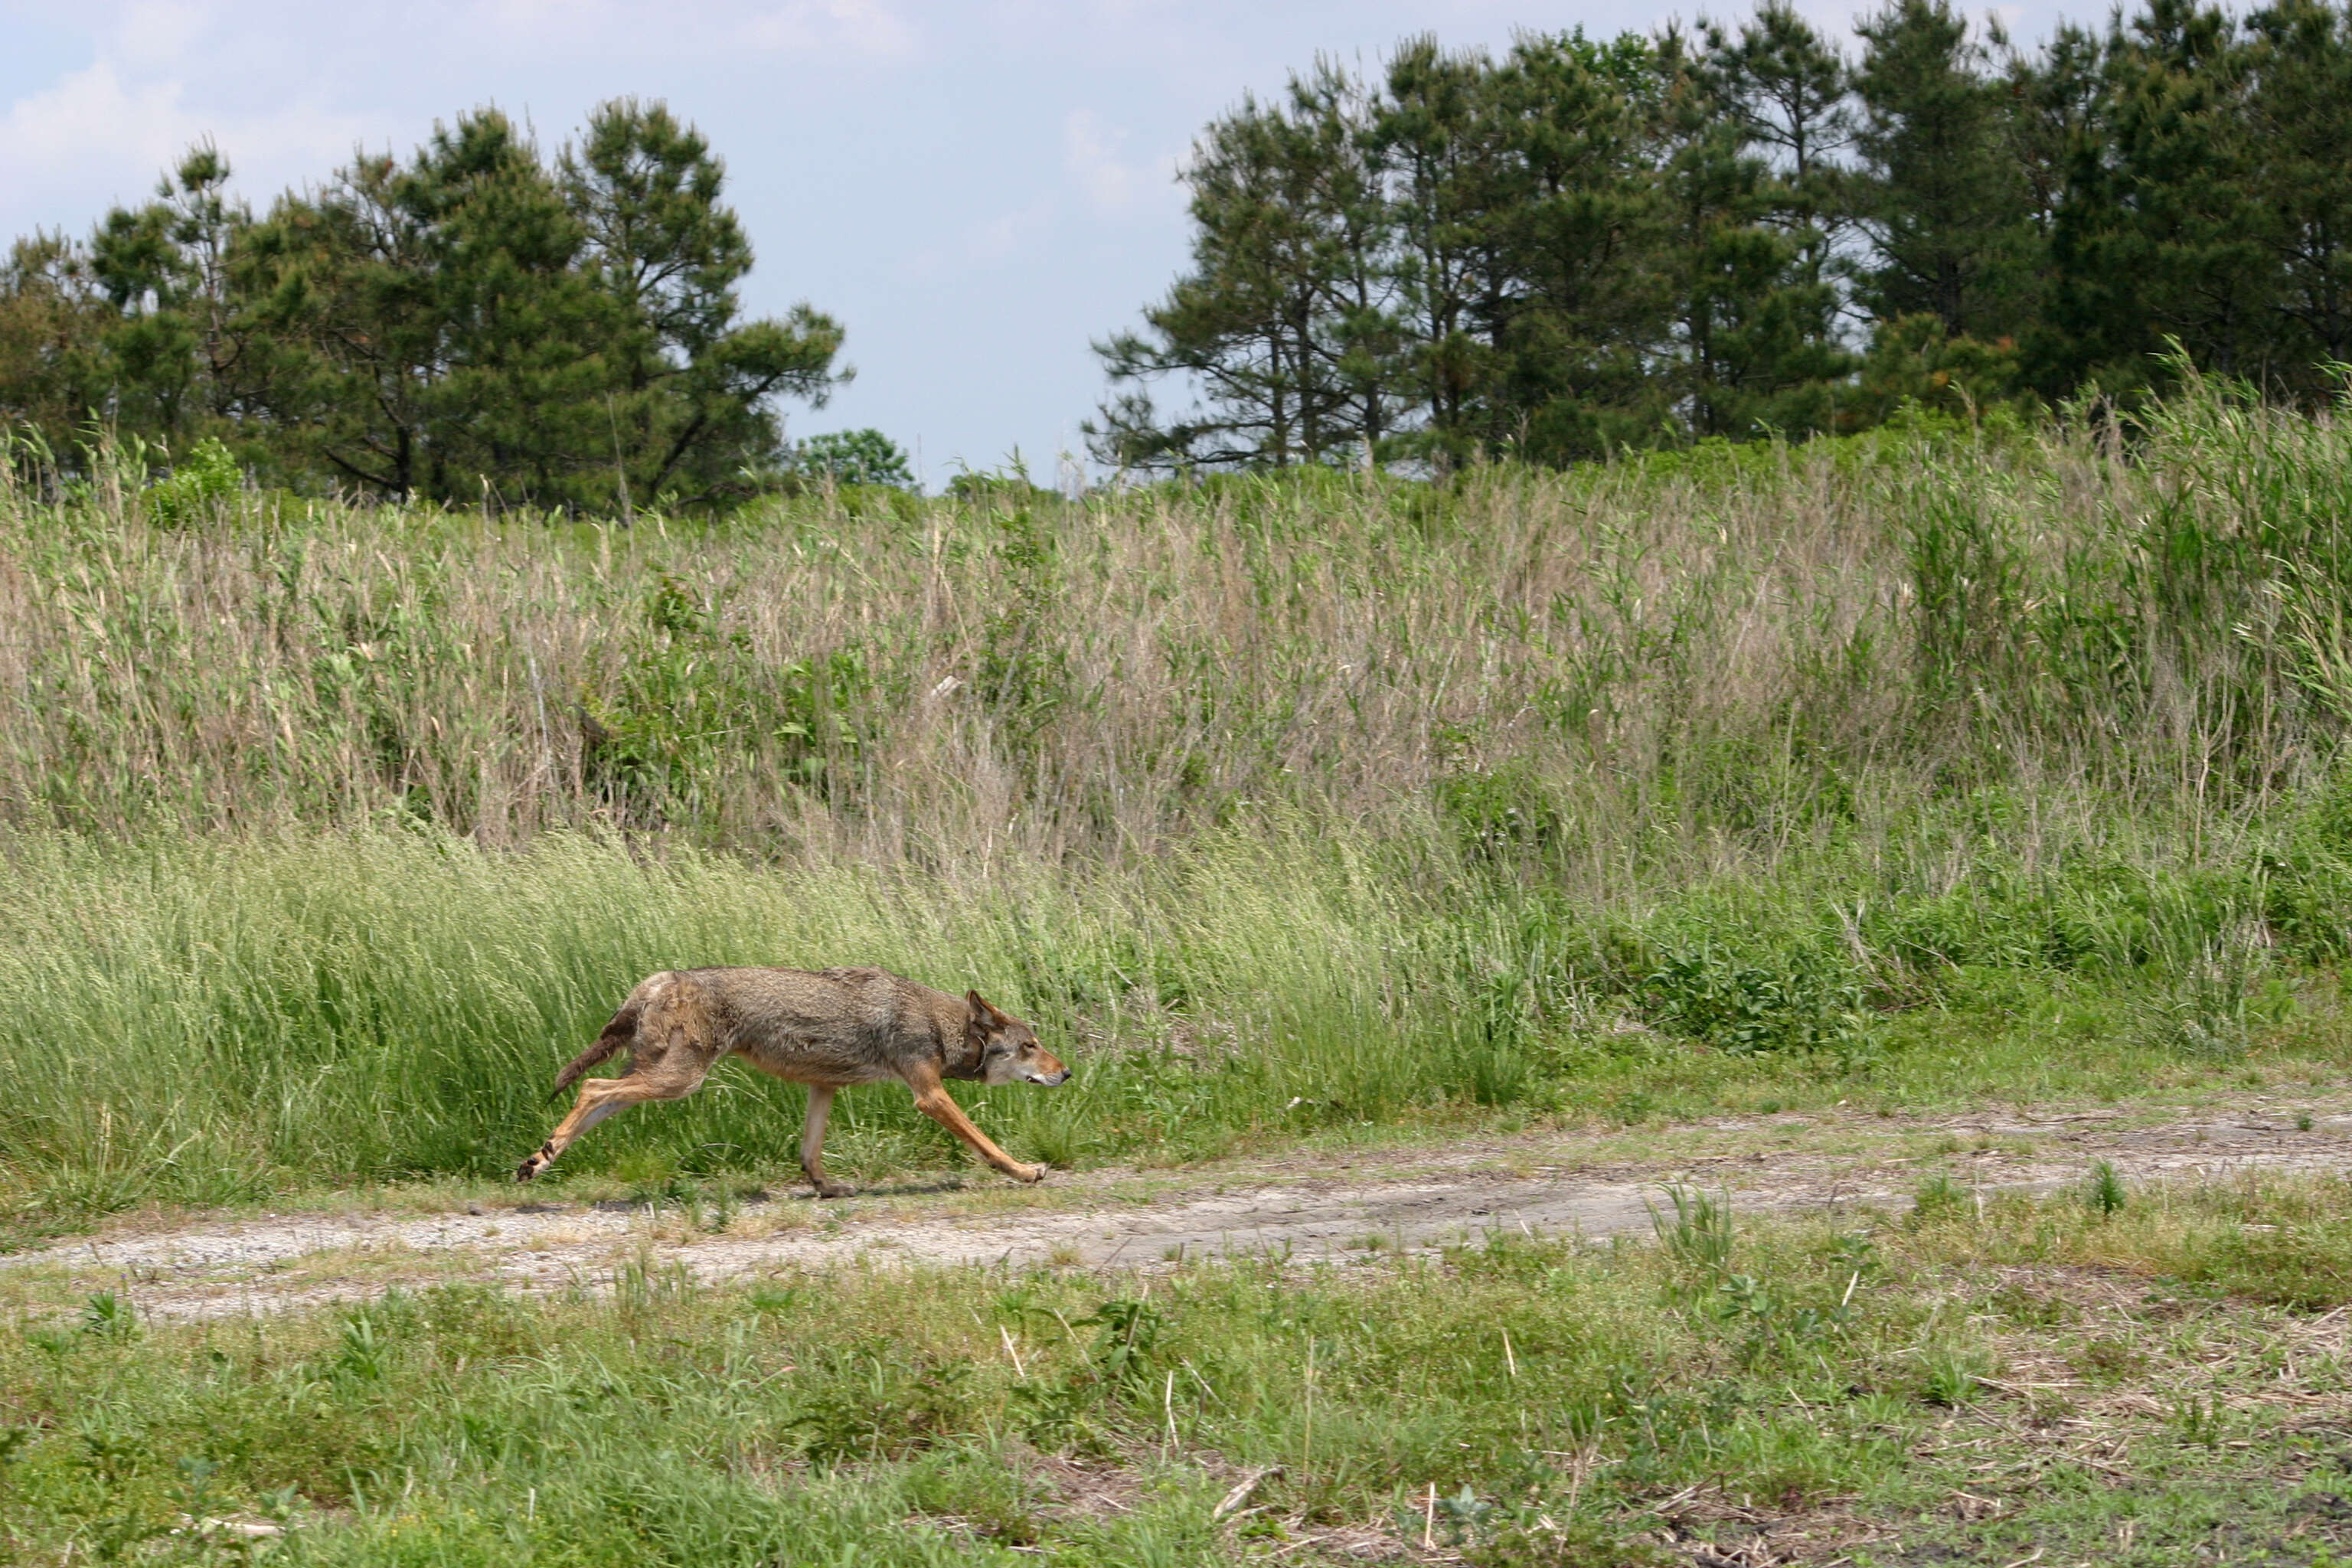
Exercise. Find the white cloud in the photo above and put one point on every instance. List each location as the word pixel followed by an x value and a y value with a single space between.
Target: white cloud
pixel 1005 236
pixel 716 31
pixel 199 39
pixel 1090 153
pixel 159 34
pixel 1011 235
pixel 1114 186
pixel 824 27
pixel 86 109
pixel 100 135
pixel 89 130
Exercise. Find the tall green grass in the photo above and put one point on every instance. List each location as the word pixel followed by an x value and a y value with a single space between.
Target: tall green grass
pixel 211 1020
pixel 1916 764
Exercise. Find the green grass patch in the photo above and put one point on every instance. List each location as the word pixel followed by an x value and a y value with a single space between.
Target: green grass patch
pixel 2126 1384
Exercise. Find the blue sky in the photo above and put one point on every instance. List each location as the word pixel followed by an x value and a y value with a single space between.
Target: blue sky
pixel 974 190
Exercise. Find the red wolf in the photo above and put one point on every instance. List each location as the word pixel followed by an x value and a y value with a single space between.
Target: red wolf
pixel 828 1030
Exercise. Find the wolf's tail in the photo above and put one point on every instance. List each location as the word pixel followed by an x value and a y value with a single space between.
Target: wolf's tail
pixel 618 1034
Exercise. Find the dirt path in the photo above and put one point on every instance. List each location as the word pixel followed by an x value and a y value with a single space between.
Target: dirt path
pixel 1305 1207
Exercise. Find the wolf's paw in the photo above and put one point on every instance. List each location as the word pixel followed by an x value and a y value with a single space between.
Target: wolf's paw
pixel 1031 1173
pixel 528 1169
pixel 834 1190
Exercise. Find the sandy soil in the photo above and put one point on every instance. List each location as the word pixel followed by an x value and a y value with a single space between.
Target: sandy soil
pixel 1306 1208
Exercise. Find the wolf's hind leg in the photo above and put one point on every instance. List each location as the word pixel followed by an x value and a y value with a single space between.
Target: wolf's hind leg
pixel 933 1100
pixel 820 1106
pixel 600 1097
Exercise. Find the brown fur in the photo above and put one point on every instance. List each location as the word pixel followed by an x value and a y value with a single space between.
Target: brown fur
pixel 827 1029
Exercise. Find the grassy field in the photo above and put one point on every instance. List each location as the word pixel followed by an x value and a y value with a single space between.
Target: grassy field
pixel 1913 769
pixel 1941 767
pixel 2109 1376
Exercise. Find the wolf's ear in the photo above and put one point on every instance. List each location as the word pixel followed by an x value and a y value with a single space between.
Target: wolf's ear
pixel 981 1012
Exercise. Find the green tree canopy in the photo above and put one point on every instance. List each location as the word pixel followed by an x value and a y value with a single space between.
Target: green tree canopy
pixel 854 457
pixel 475 324
pixel 1578 245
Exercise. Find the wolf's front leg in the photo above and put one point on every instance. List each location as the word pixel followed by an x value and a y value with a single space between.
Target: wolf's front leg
pixel 932 1100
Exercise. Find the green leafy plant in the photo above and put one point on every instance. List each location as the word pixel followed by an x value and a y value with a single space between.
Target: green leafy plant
pixel 1699 1232
pixel 2105 1193
pixel 206 476
pixel 1712 993
pixel 109 1315
pixel 875 1402
pixel 1950 1377
pixel 1938 1199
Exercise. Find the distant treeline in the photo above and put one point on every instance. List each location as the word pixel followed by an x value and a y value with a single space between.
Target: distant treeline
pixel 1737 229
pixel 475 325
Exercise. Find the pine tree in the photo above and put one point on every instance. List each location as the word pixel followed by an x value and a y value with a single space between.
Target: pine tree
pixel 53 369
pixel 2162 234
pixel 2180 142
pixel 350 350
pixel 173 344
pixel 473 326
pixel 1584 308
pixel 2300 121
pixel 1756 343
pixel 1359 339
pixel 1938 192
pixel 688 404
pixel 1789 92
pixel 2057 100
pixel 854 457
pixel 524 329
pixel 1282 322
pixel 1453 175
pixel 429 335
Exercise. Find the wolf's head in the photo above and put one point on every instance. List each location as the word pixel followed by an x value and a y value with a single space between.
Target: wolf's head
pixel 1009 1051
